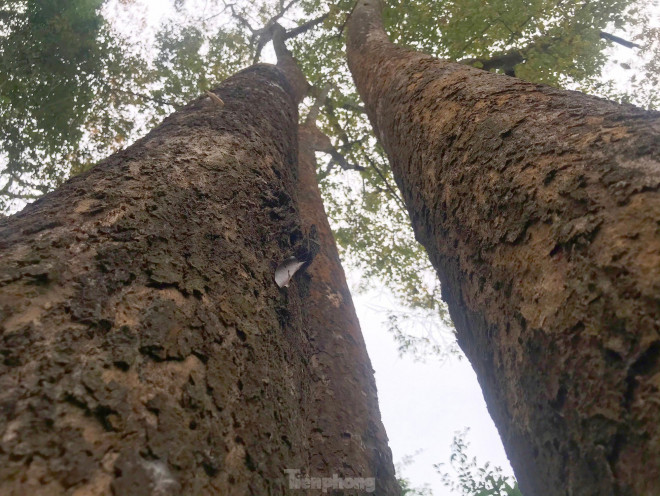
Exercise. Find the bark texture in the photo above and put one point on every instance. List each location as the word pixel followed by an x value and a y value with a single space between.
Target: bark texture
pixel 146 349
pixel 540 210
pixel 342 367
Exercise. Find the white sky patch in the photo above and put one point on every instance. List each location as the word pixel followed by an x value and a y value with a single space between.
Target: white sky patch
pixel 424 404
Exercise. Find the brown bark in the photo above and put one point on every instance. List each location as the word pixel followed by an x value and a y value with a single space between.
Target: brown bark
pixel 349 438
pixel 343 369
pixel 146 348
pixel 540 210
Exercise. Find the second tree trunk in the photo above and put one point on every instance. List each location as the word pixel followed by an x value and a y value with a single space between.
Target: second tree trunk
pixel 540 210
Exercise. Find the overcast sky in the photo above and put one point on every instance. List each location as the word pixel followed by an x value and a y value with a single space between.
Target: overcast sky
pixel 423 404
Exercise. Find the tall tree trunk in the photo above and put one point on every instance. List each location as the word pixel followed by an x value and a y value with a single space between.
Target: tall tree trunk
pixel 360 446
pixel 146 349
pixel 343 372
pixel 540 210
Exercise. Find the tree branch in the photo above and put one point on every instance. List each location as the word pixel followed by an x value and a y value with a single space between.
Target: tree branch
pixel 266 33
pixel 306 26
pixel 343 24
pixel 505 61
pixel 241 20
pixel 620 41
pixel 340 160
pixel 19 196
pixel 147 97
pixel 353 107
pixel 392 191
pixel 288 65
pixel 283 10
pixel 320 97
pixel 337 157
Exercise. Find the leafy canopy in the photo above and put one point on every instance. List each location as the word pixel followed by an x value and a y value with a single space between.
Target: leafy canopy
pixel 61 73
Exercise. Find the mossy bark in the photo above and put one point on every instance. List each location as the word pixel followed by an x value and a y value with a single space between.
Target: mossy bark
pixel 540 210
pixel 145 346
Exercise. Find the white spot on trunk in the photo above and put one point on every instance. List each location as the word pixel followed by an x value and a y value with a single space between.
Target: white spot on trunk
pixel 162 480
pixel 215 99
pixel 286 270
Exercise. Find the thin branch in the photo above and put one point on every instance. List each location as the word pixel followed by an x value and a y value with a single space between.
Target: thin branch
pixel 244 22
pixel 18 196
pixel 340 160
pixel 343 24
pixel 283 10
pixel 474 38
pixel 147 97
pixel 392 191
pixel 620 41
pixel 21 182
pixel 261 43
pixel 268 30
pixel 334 121
pixel 323 142
pixel 351 144
pixel 504 61
pixel 353 107
pixel 316 108
pixel 266 33
pixel 306 26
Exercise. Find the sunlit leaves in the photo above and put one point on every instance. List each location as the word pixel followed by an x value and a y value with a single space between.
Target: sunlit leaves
pixel 59 63
pixel 559 40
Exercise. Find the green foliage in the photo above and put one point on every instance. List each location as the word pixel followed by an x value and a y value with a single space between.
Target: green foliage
pixel 191 59
pixel 406 486
pixel 60 68
pixel 559 40
pixel 471 479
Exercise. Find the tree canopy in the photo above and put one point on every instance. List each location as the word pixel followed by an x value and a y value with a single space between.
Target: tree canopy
pixel 82 78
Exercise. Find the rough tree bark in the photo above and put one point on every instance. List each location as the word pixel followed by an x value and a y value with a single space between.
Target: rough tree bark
pixel 343 369
pixel 146 349
pixel 540 210
pixel 350 435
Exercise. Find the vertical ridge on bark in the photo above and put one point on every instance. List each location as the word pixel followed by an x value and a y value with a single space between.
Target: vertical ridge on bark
pixel 360 449
pixel 540 210
pixel 145 346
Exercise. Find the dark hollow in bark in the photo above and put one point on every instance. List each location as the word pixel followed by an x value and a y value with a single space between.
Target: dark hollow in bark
pixel 145 346
pixel 540 210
